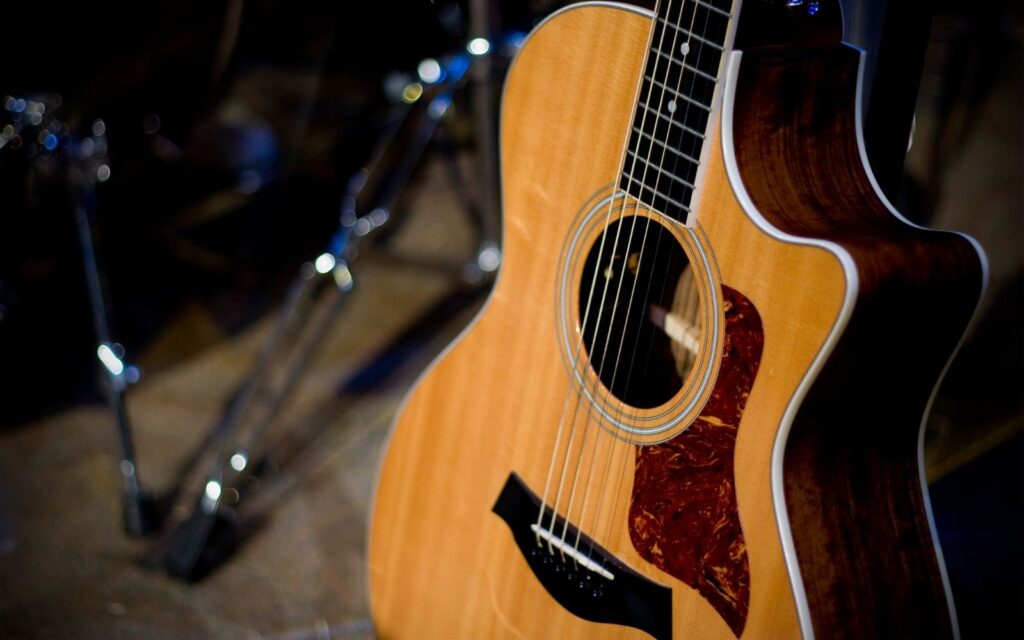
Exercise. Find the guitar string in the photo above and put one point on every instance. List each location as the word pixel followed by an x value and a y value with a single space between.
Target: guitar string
pixel 617 498
pixel 583 381
pixel 602 308
pixel 609 467
pixel 604 359
pixel 573 371
pixel 568 395
pixel 621 280
pixel 615 448
pixel 569 391
pixel 609 274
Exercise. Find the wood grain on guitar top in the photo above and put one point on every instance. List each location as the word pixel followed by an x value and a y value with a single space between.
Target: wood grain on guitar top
pixel 442 565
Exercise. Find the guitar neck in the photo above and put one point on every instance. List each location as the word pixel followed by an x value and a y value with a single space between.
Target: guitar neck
pixel 673 114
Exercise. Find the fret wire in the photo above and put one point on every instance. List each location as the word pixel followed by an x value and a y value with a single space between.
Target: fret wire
pixel 702 40
pixel 685 98
pixel 658 194
pixel 673 150
pixel 714 28
pixel 676 93
pixel 707 76
pixel 712 7
pixel 678 124
pixel 673 122
pixel 661 170
pixel 686 66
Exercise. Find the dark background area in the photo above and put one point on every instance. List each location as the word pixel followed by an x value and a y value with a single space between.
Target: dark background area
pixel 233 127
pixel 232 130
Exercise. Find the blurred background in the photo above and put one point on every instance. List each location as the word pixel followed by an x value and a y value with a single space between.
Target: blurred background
pixel 333 165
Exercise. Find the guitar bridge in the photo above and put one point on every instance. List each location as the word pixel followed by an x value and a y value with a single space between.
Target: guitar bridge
pixel 592 585
pixel 570 550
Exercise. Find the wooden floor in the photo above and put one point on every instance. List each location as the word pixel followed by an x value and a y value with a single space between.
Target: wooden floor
pixel 67 571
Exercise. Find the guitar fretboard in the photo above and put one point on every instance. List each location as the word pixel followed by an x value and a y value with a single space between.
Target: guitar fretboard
pixel 673 109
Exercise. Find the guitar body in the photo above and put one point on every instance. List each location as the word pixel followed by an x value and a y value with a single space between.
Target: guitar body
pixel 446 559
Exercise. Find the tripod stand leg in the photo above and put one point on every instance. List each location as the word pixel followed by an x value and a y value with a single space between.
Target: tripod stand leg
pixel 140 516
pixel 293 312
pixel 483 23
pixel 211 533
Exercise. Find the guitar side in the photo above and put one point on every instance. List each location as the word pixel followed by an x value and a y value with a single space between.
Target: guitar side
pixel 854 480
pixel 441 563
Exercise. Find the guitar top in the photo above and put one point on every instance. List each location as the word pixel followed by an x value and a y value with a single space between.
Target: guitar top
pixel 691 407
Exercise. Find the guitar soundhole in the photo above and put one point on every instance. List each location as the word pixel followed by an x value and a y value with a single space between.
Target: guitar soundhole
pixel 643 330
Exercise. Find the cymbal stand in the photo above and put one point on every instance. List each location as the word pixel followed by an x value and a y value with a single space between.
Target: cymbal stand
pixel 211 532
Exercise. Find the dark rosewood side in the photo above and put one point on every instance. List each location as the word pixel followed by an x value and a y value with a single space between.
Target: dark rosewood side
pixel 683 516
pixel 852 482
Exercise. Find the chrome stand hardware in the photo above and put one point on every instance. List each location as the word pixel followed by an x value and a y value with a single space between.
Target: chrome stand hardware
pixel 140 514
pixel 219 518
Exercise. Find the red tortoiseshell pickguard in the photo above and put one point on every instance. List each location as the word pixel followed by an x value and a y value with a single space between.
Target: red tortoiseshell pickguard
pixel 683 516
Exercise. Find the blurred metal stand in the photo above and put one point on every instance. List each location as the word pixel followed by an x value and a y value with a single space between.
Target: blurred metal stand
pixel 81 163
pixel 140 515
pixel 483 24
pixel 213 530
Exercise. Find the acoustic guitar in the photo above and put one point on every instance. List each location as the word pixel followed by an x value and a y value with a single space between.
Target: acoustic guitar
pixel 692 405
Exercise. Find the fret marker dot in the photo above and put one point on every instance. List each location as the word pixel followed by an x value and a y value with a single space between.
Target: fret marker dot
pixel 671 106
pixel 684 48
